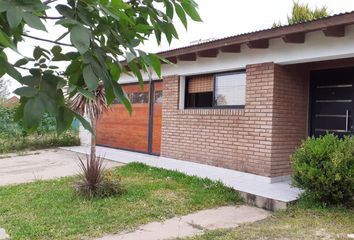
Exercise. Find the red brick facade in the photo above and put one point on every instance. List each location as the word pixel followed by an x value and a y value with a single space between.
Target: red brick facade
pixel 257 139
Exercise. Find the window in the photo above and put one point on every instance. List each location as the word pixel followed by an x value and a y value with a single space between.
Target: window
pixel 219 90
pixel 230 89
pixel 158 96
pixel 139 97
pixel 136 97
pixel 200 91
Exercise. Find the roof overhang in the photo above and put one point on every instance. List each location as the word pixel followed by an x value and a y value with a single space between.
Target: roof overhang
pixel 333 26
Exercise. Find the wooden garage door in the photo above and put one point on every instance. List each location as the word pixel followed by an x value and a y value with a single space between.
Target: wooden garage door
pixel 142 130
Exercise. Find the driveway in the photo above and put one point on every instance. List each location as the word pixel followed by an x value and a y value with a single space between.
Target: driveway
pixel 43 164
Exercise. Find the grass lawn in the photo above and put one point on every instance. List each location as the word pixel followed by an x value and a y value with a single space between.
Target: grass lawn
pixel 51 210
pixel 300 221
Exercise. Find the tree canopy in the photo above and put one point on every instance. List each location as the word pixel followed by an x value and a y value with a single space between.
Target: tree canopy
pixel 303 13
pixel 97 35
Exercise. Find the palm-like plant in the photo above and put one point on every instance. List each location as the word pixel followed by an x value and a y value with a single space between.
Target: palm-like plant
pixel 93 108
pixel 302 12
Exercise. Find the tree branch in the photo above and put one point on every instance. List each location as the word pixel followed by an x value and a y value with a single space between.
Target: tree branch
pixel 24 68
pixel 47 40
pixel 49 2
pixel 51 18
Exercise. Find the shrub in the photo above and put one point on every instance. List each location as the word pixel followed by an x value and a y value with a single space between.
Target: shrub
pixel 13 137
pixel 8 127
pixel 96 181
pixel 324 168
pixel 35 141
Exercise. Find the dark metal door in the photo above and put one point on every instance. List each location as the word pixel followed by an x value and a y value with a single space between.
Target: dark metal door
pixel 332 96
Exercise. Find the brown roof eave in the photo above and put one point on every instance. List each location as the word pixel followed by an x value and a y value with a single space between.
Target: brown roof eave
pixel 321 24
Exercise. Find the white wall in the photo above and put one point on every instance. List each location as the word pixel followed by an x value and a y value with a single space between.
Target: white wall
pixel 85 136
pixel 317 47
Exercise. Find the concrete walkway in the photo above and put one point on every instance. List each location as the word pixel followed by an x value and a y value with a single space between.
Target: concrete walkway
pixel 256 189
pixel 36 165
pixel 4 235
pixel 194 224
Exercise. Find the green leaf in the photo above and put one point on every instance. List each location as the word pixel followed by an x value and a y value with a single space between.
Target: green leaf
pixel 33 112
pixel 26 91
pixel 106 77
pixel 115 71
pixel 30 81
pixel 84 122
pixel 130 56
pixel 72 55
pixel 118 91
pixel 60 57
pixel 14 16
pixel 62 36
pixel 6 41
pixel 53 67
pixel 34 21
pixel 169 9
pixel 86 93
pixel 12 72
pixel 64 119
pixel 2 71
pixel 37 53
pixel 49 104
pixel 74 67
pixel 21 62
pixel 62 83
pixel 143 28
pixel 158 36
pixel 65 10
pixel 35 72
pixel 191 9
pixel 56 49
pixel 181 14
pixel 81 38
pixel 136 71
pixel 119 4
pixel 4 6
pixel 154 61
pixel 90 78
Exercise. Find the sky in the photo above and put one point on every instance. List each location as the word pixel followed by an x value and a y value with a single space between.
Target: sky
pixel 221 18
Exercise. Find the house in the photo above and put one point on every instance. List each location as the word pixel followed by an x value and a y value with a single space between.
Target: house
pixel 243 102
pixel 11 102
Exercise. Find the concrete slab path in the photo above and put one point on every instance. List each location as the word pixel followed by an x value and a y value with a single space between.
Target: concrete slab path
pixel 40 165
pixel 4 235
pixel 194 224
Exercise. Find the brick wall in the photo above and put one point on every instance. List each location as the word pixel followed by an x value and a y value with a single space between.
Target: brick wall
pixel 290 110
pixel 239 139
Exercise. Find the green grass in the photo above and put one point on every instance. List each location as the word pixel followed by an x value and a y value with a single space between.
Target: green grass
pixel 52 210
pixel 303 220
pixel 34 142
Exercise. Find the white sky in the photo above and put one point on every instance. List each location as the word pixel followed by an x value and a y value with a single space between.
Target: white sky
pixel 221 18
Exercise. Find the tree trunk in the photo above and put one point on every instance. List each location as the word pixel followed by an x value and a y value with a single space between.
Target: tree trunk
pixel 93 139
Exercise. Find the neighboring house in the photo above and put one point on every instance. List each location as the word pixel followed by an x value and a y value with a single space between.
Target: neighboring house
pixel 11 102
pixel 243 102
